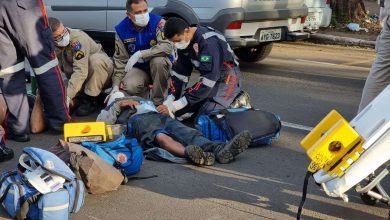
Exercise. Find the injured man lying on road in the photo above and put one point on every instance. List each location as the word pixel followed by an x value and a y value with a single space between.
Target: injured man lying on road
pixel 155 130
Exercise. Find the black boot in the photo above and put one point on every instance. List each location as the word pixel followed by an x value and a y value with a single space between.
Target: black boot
pixel 237 145
pixel 87 106
pixel 5 153
pixel 197 156
pixel 19 138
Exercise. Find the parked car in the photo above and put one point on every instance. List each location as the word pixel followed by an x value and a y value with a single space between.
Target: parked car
pixel 250 26
pixel 320 14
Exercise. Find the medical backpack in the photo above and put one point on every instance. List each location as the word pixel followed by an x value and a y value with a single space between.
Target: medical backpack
pixel 125 154
pixel 223 125
pixel 23 199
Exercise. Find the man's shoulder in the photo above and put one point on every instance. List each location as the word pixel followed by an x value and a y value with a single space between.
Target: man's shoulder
pixel 124 23
pixel 79 39
pixel 78 35
pixel 155 16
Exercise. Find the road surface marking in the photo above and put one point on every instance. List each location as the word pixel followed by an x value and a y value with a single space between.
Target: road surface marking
pixel 357 62
pixel 348 64
pixel 296 126
pixel 316 62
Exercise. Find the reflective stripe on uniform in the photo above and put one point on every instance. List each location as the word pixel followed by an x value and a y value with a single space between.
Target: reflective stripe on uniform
pixel 221 37
pixel 181 77
pixel 195 62
pixel 207 82
pixel 46 67
pixel 12 69
pixel 56 208
pixel 179 104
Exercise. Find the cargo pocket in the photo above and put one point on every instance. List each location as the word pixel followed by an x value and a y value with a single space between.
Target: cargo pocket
pixel 76 192
pixel 54 205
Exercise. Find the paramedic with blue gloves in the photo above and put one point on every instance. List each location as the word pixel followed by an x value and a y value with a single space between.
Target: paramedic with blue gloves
pixel 207 50
pixel 141 59
pixel 25 32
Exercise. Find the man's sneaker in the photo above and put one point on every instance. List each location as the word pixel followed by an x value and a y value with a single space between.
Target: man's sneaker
pixel 210 158
pixel 237 145
pixel 87 107
pixel 18 138
pixel 5 153
pixel 196 155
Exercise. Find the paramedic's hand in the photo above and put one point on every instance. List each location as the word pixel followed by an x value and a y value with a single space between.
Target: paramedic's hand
pixel 163 109
pixel 133 60
pixel 128 103
pixel 114 90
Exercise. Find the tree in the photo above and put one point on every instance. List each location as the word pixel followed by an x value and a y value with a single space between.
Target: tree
pixel 346 10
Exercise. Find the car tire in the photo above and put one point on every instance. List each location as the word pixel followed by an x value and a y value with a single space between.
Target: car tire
pixel 254 54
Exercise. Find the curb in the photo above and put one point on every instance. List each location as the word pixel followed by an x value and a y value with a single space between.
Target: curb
pixel 336 40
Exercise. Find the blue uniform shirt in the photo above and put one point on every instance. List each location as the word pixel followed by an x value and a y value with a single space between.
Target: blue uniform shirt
pixel 135 41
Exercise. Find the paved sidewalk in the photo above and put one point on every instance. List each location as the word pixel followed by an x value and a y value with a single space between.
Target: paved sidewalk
pixel 338 40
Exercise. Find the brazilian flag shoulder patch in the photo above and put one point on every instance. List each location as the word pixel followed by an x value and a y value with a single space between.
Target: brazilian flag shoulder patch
pixel 205 59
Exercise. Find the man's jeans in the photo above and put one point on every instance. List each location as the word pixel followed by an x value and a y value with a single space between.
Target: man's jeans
pixel 146 127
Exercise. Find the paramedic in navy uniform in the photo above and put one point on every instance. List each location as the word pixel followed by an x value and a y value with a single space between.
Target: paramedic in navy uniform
pixel 25 32
pixel 207 50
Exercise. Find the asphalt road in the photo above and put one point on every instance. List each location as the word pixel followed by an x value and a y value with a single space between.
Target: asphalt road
pixel 301 83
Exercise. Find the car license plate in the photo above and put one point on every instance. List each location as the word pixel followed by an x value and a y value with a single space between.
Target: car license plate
pixel 311 18
pixel 270 35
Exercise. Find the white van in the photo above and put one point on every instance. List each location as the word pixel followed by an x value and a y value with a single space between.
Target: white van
pixel 250 26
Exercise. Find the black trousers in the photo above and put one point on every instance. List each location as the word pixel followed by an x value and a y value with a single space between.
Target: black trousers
pixel 24 32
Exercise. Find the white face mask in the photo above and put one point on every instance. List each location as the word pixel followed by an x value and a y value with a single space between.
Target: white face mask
pixel 142 19
pixel 65 41
pixel 182 44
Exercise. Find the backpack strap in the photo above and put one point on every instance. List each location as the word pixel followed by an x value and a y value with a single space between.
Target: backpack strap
pixel 24 208
pixel 5 193
pixel 13 173
pixel 9 174
pixel 142 177
pixel 76 198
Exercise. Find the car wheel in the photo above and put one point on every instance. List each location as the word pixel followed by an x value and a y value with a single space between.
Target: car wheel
pixel 254 54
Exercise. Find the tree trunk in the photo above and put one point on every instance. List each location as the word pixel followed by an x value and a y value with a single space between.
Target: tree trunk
pixel 347 10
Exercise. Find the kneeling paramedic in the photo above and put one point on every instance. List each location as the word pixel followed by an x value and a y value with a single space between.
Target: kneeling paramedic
pixel 207 51
pixel 86 66
pixel 142 54
pixel 155 130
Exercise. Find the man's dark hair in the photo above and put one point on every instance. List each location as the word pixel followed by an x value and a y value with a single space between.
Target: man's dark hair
pixel 175 26
pixel 130 2
pixel 54 24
